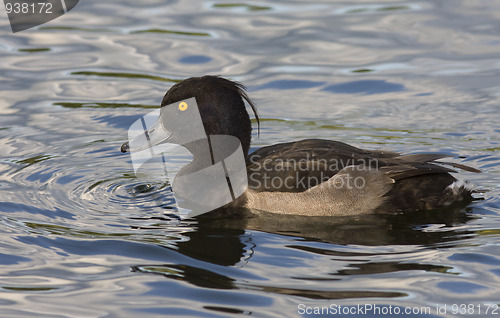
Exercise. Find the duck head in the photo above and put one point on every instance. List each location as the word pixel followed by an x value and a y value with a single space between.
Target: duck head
pixel 221 105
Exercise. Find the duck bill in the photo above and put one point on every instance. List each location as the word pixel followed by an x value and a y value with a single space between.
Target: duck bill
pixel 143 139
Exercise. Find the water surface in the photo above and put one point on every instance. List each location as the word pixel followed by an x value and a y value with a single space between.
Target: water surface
pixel 82 236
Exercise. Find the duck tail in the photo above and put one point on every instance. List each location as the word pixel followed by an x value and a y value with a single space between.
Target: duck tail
pixel 459 191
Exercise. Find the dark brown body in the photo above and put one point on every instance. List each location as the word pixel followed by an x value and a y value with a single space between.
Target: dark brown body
pixel 419 181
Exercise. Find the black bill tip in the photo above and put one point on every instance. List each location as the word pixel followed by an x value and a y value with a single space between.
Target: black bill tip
pixel 125 147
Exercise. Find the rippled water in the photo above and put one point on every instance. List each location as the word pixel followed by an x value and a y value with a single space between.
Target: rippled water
pixel 81 236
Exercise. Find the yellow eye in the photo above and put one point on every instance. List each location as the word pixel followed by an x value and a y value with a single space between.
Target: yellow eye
pixel 183 106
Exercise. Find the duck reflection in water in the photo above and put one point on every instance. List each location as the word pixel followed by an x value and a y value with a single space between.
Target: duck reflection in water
pixel 232 242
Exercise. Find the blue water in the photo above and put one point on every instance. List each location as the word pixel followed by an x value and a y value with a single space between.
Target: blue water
pixel 82 236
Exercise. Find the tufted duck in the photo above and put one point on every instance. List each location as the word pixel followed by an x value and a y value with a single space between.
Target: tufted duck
pixel 317 176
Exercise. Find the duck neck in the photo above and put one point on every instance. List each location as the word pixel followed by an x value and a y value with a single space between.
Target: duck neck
pixel 202 155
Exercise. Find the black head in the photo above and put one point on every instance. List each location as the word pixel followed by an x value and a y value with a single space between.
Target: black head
pixel 221 104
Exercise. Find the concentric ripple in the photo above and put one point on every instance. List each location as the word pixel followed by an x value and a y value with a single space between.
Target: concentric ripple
pixel 76 191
